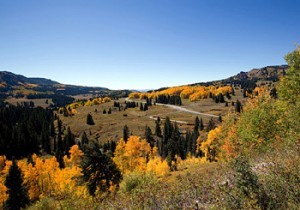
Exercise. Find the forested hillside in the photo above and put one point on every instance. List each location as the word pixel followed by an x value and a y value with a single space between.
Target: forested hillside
pixel 250 160
pixel 21 87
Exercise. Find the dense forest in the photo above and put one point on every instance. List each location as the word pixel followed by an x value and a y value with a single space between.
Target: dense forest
pixel 24 130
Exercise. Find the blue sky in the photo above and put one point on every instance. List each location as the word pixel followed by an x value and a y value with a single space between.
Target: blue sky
pixel 137 44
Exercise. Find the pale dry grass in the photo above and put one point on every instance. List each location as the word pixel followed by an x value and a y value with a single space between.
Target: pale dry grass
pixel 110 126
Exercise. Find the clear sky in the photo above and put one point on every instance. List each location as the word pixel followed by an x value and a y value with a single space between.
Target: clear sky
pixel 140 44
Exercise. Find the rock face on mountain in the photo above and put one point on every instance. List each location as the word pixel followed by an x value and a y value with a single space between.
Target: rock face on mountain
pixel 249 79
pixel 268 72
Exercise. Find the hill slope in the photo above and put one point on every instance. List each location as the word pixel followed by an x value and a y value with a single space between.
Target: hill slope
pixel 11 79
pixel 266 73
pixel 250 78
pixel 18 85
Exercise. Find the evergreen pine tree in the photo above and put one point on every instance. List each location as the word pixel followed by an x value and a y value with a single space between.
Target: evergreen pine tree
pixel 60 158
pixel 59 126
pixel 59 152
pixel 125 133
pixel 220 98
pixel 148 136
pixel 197 123
pixel 195 136
pixel 188 139
pixel 228 96
pixel 84 139
pixel 89 120
pixel 52 129
pixel 141 107
pixel 145 107
pixel 201 126
pixel 182 147
pixel 173 145
pixel 69 141
pixel 157 127
pixel 273 93
pixel 98 170
pixel 244 93
pixel 17 193
pixel 238 106
pixel 168 129
pixel 211 125
pixel 220 118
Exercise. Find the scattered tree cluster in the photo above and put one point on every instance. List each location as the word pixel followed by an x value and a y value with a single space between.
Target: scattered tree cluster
pixel 167 99
pixel 193 93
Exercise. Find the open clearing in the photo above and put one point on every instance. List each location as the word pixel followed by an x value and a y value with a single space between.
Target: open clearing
pixel 110 126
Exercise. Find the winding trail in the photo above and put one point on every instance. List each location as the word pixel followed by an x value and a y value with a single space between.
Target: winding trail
pixel 182 109
pixel 177 108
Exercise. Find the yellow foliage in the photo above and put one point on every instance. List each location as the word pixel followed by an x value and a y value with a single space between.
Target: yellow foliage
pixel 132 155
pixel 71 108
pixel 75 105
pixel 194 93
pixel 135 95
pixel 46 170
pixel 186 93
pixel 75 156
pixel 64 182
pixel 88 103
pixel 137 151
pixel 198 144
pixel 8 164
pixel 158 166
pixel 3 195
pixel 120 159
pixel 44 178
pixel 3 189
pixel 106 99
pixel 2 162
pixel 211 137
pixel 228 147
pixel 31 178
pixel 261 90
pixel 143 95
pixel 190 161
pixel 97 101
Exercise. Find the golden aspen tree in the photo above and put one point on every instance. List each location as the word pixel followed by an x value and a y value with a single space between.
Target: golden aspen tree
pixel 132 155
pixel 212 136
pixel 229 148
pixel 31 179
pixel 119 156
pixel 75 156
pixel 3 189
pixel 106 99
pixel 158 166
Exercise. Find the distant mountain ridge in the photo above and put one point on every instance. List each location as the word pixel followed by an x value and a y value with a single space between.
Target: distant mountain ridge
pixel 11 84
pixel 15 79
pixel 247 79
pixel 267 72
